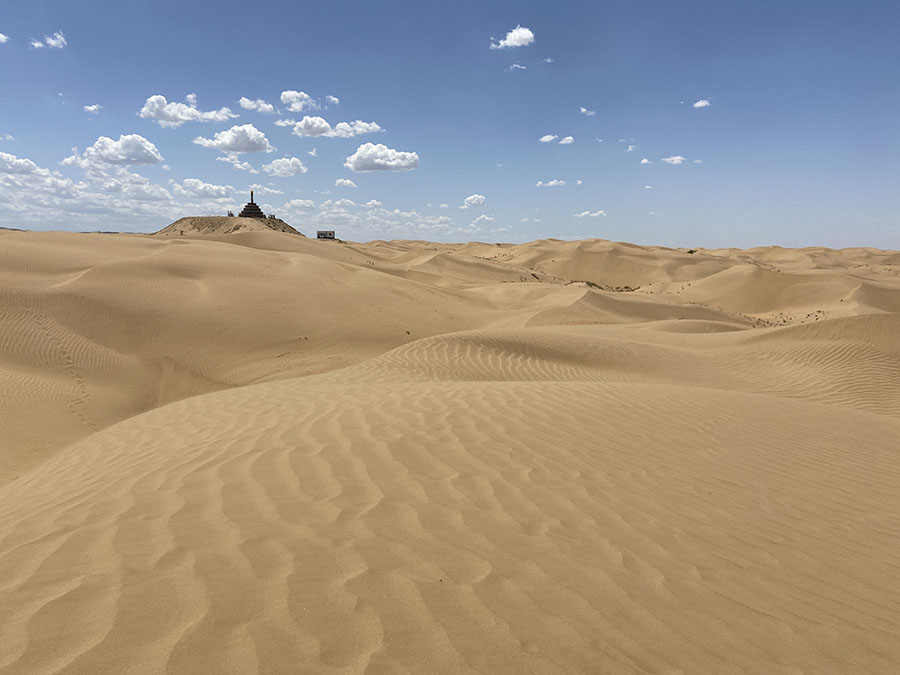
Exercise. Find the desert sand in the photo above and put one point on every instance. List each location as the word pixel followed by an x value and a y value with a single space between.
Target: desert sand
pixel 259 452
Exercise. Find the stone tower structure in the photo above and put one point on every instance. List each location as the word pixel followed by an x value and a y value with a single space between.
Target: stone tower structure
pixel 251 210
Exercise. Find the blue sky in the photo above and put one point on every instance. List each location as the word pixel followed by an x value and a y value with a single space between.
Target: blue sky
pixel 799 143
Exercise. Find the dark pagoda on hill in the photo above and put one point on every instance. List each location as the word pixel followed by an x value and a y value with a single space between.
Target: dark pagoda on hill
pixel 251 210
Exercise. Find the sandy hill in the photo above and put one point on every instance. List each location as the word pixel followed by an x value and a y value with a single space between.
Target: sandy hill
pixel 265 453
pixel 217 225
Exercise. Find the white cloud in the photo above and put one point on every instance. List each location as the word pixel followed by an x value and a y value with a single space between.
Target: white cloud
pixel 258 105
pixel 372 203
pixel 128 150
pixel 548 60
pixel 702 103
pixel 235 160
pixel 243 138
pixel 372 157
pixel 264 190
pixel 311 153
pixel 517 37
pixel 333 100
pixel 3 38
pixel 674 159
pixel 568 140
pixel 551 183
pixel 578 182
pixel 648 187
pixel 7 137
pixel 517 66
pixel 548 138
pixel 55 41
pixel 285 123
pixel 590 214
pixel 300 204
pixel 298 101
pixel 585 111
pixel 599 140
pixel 93 109
pixel 317 126
pixel 344 182
pixel 197 188
pixel 482 219
pixel 175 114
pixel 473 200
pixel 444 206
pixel 698 161
pixel 284 167
pixel 646 161
pixel 630 148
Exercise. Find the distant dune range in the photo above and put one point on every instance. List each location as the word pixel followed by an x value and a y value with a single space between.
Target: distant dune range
pixel 258 452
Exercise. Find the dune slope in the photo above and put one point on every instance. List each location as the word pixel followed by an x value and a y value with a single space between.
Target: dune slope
pixel 547 473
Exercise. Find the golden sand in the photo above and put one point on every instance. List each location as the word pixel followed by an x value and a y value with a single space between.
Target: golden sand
pixel 258 452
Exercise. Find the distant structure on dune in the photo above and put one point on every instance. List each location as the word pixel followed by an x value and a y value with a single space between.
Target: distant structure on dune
pixel 251 209
pixel 324 234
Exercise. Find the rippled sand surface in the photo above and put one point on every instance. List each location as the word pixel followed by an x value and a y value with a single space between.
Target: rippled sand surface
pixel 257 452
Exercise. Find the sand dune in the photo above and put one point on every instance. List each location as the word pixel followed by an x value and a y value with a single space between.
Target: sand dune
pixel 257 452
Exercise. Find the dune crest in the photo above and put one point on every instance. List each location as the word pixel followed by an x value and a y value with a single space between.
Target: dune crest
pixel 256 452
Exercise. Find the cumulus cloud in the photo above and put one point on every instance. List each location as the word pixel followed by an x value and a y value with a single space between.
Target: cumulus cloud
pixel 55 41
pixel 550 183
pixel 311 153
pixel 473 200
pixel 259 105
pixel 344 182
pixel 548 138
pixel 517 66
pixel 284 167
pixel 372 203
pixel 674 159
pixel 646 161
pixel 568 140
pixel 300 204
pixel 236 163
pixel 702 103
pixel 243 138
pixel 333 100
pixel 517 37
pixel 630 148
pixel 483 219
pixel 315 126
pixel 3 38
pixel 174 114
pixel 298 101
pixel 264 190
pixel 585 111
pixel 197 188
pixel 378 157
pixel 285 123
pixel 548 60
pixel 93 109
pixel 130 149
pixel 7 137
pixel 590 214
pixel 444 206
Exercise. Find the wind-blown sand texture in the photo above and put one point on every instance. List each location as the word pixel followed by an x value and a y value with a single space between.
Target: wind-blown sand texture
pixel 264 453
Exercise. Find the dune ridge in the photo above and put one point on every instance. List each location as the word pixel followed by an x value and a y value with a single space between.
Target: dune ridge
pixel 257 452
